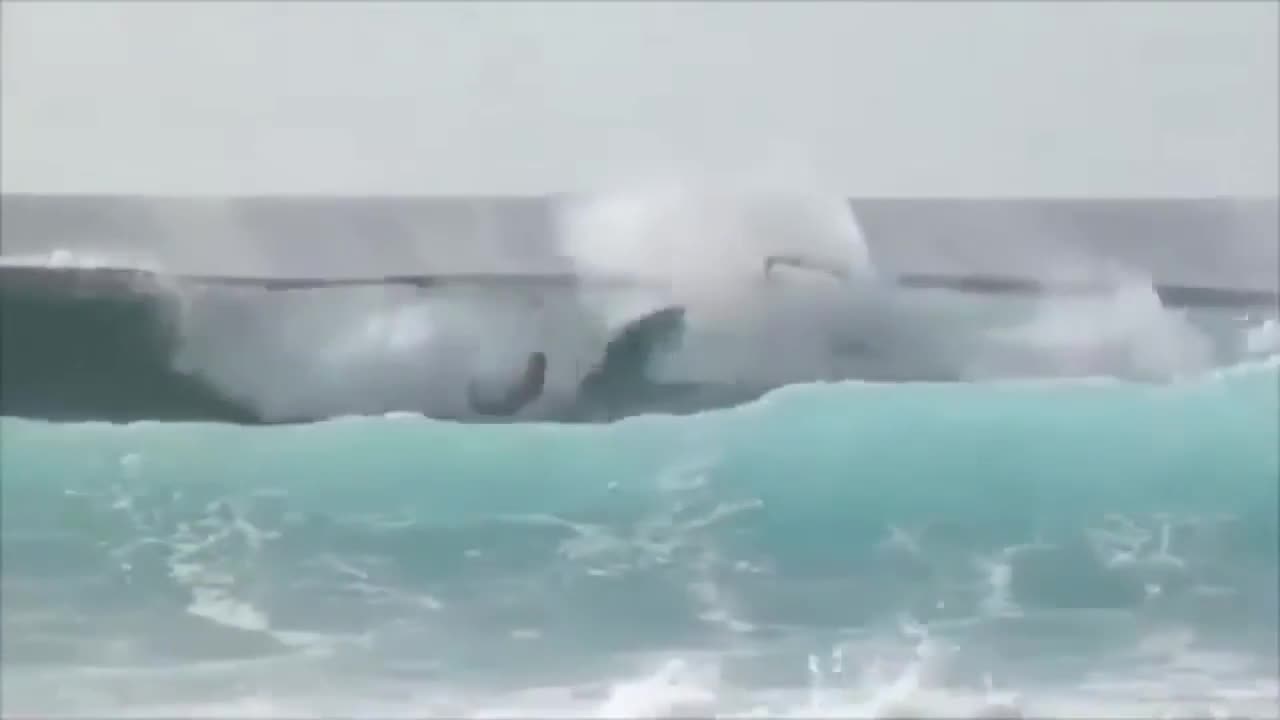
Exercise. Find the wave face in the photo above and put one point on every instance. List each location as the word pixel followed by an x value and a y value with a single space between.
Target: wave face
pixel 103 358
pixel 1070 548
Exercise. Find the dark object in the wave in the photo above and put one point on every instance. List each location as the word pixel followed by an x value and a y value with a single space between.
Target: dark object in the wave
pixel 622 373
pixel 619 381
pixel 528 389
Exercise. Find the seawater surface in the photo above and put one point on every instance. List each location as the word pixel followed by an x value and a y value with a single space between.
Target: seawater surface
pixel 1069 547
pixel 913 504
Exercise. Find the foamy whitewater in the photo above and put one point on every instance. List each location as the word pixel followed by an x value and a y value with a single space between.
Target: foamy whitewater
pixel 935 505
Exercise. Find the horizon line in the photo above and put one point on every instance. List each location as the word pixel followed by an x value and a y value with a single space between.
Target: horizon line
pixel 569 194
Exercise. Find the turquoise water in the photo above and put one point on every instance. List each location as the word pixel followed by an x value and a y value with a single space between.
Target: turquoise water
pixel 1074 547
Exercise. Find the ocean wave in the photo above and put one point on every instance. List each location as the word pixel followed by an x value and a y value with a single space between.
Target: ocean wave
pixel 434 564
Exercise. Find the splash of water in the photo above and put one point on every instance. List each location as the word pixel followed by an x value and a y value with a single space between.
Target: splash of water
pixel 367 351
pixel 702 246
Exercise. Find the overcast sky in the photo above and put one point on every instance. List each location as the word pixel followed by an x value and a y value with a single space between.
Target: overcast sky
pixel 903 98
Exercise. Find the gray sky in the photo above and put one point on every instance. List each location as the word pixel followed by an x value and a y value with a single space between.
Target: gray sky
pixel 918 99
